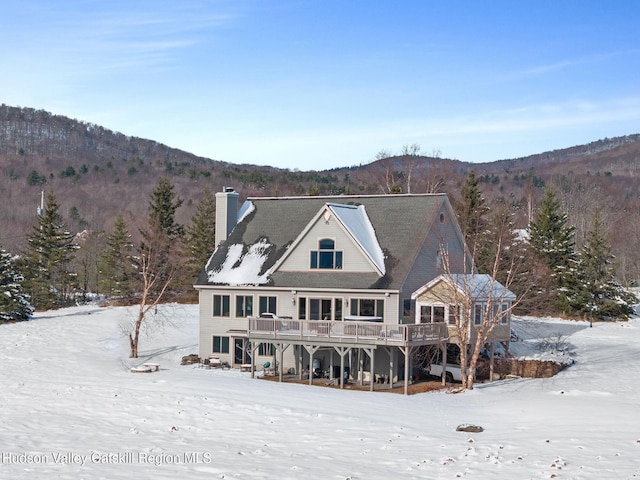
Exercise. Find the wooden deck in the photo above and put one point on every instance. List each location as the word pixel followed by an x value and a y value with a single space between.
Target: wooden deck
pixel 327 332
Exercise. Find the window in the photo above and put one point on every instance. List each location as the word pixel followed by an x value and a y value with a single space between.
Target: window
pixel 220 344
pixel 367 307
pixel 266 349
pixel 425 314
pixel 438 314
pixel 406 307
pixel 221 305
pixel 497 312
pixel 434 313
pixel 320 308
pixel 326 257
pixel 453 314
pixel 244 305
pixel 338 315
pixel 477 314
pixel 314 309
pixel 267 305
pixel 302 308
pixel 504 318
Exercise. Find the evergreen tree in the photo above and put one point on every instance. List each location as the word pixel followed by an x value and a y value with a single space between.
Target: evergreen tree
pixel 14 302
pixel 87 260
pixel 158 259
pixel 50 280
pixel 553 242
pixel 163 237
pixel 201 234
pixel 472 214
pixel 117 274
pixel 162 210
pixel 599 294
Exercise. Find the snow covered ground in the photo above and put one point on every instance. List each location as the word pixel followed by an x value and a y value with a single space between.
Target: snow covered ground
pixel 71 409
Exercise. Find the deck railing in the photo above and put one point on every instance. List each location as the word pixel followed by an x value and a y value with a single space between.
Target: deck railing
pixel 338 331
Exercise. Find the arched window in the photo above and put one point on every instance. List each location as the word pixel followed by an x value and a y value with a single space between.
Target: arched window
pixel 326 257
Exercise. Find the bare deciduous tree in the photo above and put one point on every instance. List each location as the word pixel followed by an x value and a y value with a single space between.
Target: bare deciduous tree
pixel 159 254
pixel 482 303
pixel 152 289
pixel 409 154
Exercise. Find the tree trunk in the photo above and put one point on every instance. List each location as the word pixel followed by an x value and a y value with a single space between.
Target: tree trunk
pixel 133 343
pixel 135 335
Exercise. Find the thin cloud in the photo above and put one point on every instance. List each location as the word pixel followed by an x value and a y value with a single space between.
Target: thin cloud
pixel 102 38
pixel 565 64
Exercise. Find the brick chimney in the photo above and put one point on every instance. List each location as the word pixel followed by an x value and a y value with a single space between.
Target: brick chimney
pixel 226 213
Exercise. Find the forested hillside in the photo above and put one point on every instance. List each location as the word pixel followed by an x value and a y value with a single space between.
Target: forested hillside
pixel 96 174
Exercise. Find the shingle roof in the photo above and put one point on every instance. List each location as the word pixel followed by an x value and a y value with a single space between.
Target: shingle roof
pixel 400 222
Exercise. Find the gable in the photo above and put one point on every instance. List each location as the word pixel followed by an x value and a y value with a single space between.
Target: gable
pixel 340 234
pixel 477 287
pixel 436 291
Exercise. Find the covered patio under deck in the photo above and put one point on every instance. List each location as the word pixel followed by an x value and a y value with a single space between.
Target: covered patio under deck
pixel 344 337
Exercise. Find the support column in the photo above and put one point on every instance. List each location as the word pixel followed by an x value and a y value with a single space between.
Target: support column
pixel 330 365
pixel 280 349
pixel 491 361
pixel 253 346
pixel 311 349
pixel 342 351
pixel 370 351
pixel 407 360
pixel 444 364
pixel 391 352
pixel 372 369
pixel 300 362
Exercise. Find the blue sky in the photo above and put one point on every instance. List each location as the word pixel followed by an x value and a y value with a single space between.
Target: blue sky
pixel 323 84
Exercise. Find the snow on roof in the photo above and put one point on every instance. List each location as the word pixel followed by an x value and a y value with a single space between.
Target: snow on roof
pixel 480 284
pixel 356 221
pixel 246 208
pixel 243 268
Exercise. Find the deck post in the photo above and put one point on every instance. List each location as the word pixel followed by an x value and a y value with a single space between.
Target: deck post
pixel 311 349
pixel 392 354
pixel 342 351
pixel 281 347
pixel 491 361
pixel 371 374
pixel 406 371
pixel 254 348
pixel 407 359
pixel 444 363
pixel 331 364
pixel 299 362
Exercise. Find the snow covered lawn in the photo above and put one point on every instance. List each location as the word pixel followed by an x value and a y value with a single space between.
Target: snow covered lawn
pixel 70 408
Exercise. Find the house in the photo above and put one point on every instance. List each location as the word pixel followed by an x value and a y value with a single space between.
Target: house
pixel 324 285
pixel 486 300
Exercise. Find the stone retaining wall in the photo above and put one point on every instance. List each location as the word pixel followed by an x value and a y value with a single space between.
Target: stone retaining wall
pixel 527 368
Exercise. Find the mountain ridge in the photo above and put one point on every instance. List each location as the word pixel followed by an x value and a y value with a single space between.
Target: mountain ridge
pixel 97 173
